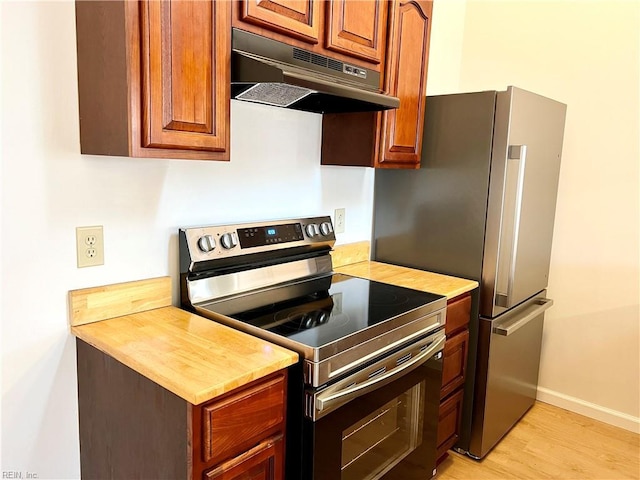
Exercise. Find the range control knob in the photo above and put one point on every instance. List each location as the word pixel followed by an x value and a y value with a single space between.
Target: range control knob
pixel 312 230
pixel 326 228
pixel 228 240
pixel 206 243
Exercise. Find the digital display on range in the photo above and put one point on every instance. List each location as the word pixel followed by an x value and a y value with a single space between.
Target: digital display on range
pixel 260 236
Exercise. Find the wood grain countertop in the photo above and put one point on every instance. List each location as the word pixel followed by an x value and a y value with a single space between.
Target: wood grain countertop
pixel 194 357
pixel 445 285
pixel 189 355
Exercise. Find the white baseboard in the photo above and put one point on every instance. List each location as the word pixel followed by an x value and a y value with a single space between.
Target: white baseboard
pixel 591 410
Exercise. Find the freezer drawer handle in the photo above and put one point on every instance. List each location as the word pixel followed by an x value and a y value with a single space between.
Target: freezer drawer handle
pixel 347 394
pixel 542 305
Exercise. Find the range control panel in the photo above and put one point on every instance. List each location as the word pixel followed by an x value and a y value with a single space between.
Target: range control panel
pixel 259 236
pixel 223 241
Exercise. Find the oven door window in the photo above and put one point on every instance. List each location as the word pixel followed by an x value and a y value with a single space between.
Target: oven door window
pixel 375 444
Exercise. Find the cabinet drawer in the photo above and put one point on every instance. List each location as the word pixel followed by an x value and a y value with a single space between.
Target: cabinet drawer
pixel 458 314
pixel 454 364
pixel 449 422
pixel 237 423
pixel 262 462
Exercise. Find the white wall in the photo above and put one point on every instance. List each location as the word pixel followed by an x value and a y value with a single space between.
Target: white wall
pixel 48 189
pixel 445 55
pixel 587 55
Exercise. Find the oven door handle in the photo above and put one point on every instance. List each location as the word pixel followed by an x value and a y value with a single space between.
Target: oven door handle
pixel 349 393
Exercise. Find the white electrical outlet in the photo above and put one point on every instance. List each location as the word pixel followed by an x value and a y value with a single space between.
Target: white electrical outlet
pixel 339 220
pixel 89 246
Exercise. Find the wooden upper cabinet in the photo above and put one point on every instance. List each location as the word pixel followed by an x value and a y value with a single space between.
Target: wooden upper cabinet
pixel 357 28
pixel 391 139
pixel 154 78
pixel 186 74
pixel 296 18
pixel 406 78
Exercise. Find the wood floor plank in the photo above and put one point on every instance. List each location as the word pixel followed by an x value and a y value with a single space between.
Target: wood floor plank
pixel 552 443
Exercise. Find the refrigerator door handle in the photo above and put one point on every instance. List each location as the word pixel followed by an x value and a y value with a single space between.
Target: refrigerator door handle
pixel 514 187
pixel 541 305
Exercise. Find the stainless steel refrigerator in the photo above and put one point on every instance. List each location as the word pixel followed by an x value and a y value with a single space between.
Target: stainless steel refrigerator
pixel 482 207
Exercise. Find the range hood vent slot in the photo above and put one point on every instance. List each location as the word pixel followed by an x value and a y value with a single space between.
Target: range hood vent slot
pixel 314 58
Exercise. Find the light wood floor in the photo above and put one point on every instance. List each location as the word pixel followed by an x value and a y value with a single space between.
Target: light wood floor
pixel 553 443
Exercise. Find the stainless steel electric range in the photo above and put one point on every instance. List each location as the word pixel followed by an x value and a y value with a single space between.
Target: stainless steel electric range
pixel 363 400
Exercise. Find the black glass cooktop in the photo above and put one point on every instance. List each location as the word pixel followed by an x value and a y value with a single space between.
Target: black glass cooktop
pixel 343 306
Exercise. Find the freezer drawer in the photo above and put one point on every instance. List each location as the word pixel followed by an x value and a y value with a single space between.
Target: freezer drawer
pixel 507 372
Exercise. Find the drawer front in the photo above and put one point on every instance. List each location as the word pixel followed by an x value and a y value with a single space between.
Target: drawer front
pixel 458 314
pixel 262 462
pixel 454 364
pixel 449 422
pixel 238 422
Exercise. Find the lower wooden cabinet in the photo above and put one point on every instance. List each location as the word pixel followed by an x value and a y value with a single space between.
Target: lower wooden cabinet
pixel 453 373
pixel 130 427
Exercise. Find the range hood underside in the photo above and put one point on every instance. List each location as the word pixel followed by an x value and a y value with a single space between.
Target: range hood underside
pixel 270 81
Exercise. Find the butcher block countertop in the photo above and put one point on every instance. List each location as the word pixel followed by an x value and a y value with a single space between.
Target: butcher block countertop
pixel 445 285
pixel 194 357
pixel 187 354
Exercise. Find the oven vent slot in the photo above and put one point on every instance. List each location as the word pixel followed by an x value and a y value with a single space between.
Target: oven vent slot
pixel 403 359
pixel 378 372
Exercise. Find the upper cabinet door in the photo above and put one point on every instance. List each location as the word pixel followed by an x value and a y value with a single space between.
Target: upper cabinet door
pixel 406 79
pixel 294 18
pixel 185 74
pixel 357 28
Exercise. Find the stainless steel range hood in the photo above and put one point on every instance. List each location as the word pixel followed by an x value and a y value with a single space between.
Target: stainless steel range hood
pixel 272 73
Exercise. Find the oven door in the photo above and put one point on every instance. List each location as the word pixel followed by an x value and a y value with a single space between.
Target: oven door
pixel 380 422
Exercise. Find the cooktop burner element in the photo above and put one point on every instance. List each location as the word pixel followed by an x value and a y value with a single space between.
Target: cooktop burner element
pixel 285 291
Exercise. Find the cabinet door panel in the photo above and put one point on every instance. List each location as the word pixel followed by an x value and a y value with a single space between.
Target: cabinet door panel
pixel 357 28
pixel 454 364
pixel 458 314
pixel 449 422
pixel 295 18
pixel 186 74
pixel 406 79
